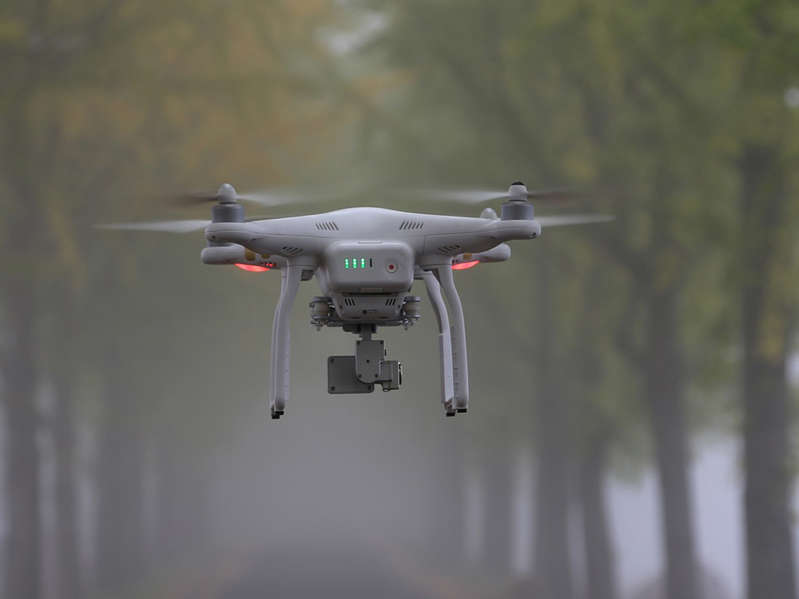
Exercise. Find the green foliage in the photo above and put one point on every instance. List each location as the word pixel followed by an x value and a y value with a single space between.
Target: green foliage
pixel 105 107
pixel 649 104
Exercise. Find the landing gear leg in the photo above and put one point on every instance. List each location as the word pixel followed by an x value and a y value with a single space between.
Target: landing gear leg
pixel 458 331
pixel 444 341
pixel 290 278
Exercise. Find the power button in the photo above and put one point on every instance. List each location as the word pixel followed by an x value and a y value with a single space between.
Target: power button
pixel 391 266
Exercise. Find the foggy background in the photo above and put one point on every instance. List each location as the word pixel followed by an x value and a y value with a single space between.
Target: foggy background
pixel 633 384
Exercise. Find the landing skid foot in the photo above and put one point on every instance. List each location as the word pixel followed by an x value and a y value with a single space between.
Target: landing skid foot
pixel 449 409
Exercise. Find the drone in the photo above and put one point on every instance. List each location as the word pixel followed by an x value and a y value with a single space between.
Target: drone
pixel 365 261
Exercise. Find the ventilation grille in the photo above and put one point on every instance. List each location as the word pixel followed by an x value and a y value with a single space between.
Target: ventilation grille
pixel 350 301
pixel 392 301
pixel 326 225
pixel 411 225
pixel 289 250
pixel 449 250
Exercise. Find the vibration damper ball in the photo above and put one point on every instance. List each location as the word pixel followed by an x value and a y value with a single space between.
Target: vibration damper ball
pixel 320 308
pixel 411 306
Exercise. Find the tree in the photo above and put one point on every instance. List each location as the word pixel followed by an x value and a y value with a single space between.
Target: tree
pixel 596 92
pixel 83 84
pixel 768 302
pixel 755 42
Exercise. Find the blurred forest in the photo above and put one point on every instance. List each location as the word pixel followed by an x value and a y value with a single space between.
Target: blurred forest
pixel 138 458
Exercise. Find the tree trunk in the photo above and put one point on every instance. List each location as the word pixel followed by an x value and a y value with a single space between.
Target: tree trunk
pixel 552 557
pixel 182 504
pixel 497 519
pixel 553 563
pixel 121 506
pixel 69 579
pixel 473 520
pixel 23 552
pixel 23 564
pixel 169 516
pixel 599 554
pixel 445 501
pixel 769 546
pixel 665 389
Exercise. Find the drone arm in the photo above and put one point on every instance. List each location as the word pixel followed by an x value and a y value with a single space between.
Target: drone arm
pixel 289 284
pixel 498 253
pixel 507 230
pixel 444 339
pixel 459 358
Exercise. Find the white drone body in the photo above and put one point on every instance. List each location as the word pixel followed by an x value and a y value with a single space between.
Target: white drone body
pixel 365 261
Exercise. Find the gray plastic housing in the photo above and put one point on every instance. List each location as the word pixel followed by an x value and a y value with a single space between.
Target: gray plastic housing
pixel 233 253
pixel 369 267
pixel 361 372
pixel 341 377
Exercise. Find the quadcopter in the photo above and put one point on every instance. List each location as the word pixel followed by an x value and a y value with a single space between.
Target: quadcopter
pixel 366 261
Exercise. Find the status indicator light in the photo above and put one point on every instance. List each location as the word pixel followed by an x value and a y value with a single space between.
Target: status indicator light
pixel 465 265
pixel 352 263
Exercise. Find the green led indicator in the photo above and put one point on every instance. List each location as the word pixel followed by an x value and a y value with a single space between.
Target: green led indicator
pixel 346 262
pixel 363 262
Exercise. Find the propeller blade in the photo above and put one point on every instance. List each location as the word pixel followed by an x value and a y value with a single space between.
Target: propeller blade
pixel 558 193
pixel 271 198
pixel 226 194
pixel 267 198
pixel 479 196
pixel 162 226
pixel 565 220
pixel 465 196
pixel 192 199
pixel 288 195
pixel 261 198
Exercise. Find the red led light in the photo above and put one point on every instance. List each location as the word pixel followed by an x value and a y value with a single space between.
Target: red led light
pixel 465 265
pixel 253 267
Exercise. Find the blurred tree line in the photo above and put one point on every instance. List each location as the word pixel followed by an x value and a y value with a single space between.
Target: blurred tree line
pixel 679 113
pixel 103 103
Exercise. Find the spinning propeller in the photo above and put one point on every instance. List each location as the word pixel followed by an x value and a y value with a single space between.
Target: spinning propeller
pixel 226 199
pixel 226 204
pixel 517 191
pixel 162 226
pixel 227 194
